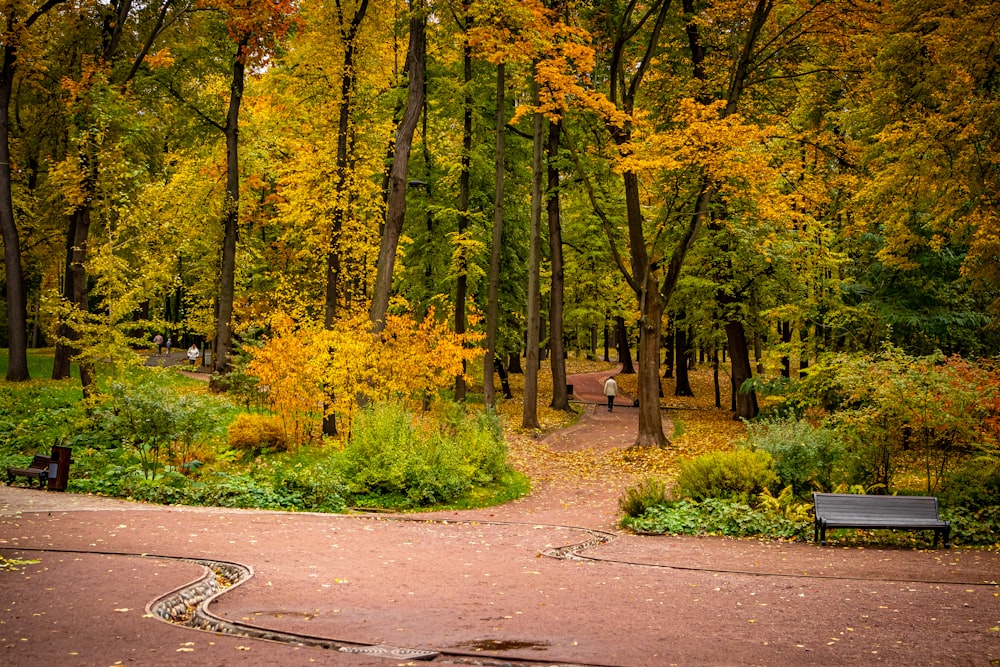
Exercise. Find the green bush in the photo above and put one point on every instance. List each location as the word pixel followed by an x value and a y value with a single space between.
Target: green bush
pixel 735 475
pixel 156 428
pixel 637 499
pixel 970 499
pixel 312 477
pixel 390 461
pixel 804 457
pixel 717 516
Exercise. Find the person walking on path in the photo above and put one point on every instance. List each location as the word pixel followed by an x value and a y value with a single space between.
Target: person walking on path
pixel 193 354
pixel 158 340
pixel 170 344
pixel 611 390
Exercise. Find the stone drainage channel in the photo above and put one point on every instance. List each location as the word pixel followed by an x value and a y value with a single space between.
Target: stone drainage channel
pixel 188 606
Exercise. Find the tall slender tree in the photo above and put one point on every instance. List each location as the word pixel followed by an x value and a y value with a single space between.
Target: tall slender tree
pixel 396 202
pixel 15 33
pixel 493 294
pixel 529 414
pixel 560 394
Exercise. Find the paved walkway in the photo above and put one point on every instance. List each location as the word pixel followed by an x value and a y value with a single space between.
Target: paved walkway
pixel 545 580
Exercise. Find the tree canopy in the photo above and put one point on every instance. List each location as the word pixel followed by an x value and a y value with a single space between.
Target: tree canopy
pixel 777 178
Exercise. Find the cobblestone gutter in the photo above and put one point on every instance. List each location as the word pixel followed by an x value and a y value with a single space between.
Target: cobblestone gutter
pixel 188 606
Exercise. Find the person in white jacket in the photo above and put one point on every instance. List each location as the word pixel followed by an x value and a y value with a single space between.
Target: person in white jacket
pixel 193 354
pixel 611 390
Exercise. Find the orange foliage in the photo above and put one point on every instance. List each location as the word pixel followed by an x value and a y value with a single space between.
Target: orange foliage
pixel 261 26
pixel 308 371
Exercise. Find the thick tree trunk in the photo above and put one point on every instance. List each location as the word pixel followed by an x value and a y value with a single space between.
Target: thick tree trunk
pixel 16 290
pixel 17 309
pixel 529 417
pixel 514 363
pixel 396 206
pixel 231 218
pixel 560 395
pixel 650 420
pixel 493 297
pixel 739 354
pixel 622 346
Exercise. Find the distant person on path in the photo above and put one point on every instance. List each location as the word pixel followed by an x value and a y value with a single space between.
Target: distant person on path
pixel 170 344
pixel 193 354
pixel 158 339
pixel 611 390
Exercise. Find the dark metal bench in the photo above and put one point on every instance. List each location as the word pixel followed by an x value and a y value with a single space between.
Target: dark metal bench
pixel 37 469
pixel 844 510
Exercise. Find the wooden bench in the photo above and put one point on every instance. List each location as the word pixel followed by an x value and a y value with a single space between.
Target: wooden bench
pixel 845 510
pixel 38 469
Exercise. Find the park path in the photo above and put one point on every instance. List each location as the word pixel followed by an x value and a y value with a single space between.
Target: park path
pixel 545 580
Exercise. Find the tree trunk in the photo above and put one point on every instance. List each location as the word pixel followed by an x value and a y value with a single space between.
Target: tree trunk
pixel 514 363
pixel 668 357
pixel 17 309
pixel 529 417
pixel 607 340
pixel 622 346
pixel 16 290
pixel 682 387
pixel 504 380
pixel 231 219
pixel 461 283
pixel 560 395
pixel 715 377
pixel 493 299
pixel 650 420
pixel 396 207
pixel 342 198
pixel 739 354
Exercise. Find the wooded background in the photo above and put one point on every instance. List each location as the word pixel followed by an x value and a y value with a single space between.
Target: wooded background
pixel 772 178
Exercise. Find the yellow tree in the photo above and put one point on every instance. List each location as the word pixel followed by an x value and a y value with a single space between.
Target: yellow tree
pixel 925 117
pixel 256 29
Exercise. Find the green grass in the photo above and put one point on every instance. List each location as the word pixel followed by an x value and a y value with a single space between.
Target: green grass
pixel 39 364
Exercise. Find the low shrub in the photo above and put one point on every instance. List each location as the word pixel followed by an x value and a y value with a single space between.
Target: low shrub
pixel 637 499
pixel 736 475
pixel 970 499
pixel 256 434
pixel 717 516
pixel 390 460
pixel 804 457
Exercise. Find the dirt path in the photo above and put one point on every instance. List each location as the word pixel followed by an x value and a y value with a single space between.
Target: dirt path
pixel 543 580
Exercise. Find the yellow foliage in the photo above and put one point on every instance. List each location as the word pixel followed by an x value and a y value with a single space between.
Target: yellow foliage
pixel 162 58
pixel 308 372
pixel 253 434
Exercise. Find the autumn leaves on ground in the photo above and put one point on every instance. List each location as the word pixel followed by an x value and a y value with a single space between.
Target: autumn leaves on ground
pixel 697 427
